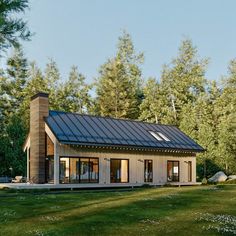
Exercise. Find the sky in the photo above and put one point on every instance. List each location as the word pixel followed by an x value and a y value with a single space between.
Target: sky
pixel 85 32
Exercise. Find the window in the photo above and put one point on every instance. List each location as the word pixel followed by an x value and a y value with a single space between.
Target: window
pixel 173 171
pixel 49 160
pixel 189 171
pixel 148 171
pixel 159 136
pixel 79 170
pixel 119 171
pixel 163 136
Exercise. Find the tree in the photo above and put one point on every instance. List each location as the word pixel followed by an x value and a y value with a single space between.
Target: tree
pixel 199 121
pixel 182 82
pixel 17 69
pixel 149 108
pixel 118 86
pixel 12 29
pixel 13 129
pixel 12 155
pixel 73 95
pixel 226 111
pixel 35 83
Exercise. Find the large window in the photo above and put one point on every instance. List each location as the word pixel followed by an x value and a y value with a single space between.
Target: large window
pixel 49 161
pixel 119 171
pixel 148 171
pixel 173 171
pixel 79 170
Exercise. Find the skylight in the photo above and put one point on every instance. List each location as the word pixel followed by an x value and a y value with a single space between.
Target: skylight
pixel 159 136
pixel 163 136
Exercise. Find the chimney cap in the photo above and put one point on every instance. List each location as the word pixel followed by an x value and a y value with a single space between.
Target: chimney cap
pixel 39 94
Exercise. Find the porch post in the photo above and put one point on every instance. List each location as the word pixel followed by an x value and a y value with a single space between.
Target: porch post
pixel 56 163
pixel 28 165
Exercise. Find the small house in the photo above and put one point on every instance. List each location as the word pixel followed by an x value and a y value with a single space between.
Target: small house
pixel 84 150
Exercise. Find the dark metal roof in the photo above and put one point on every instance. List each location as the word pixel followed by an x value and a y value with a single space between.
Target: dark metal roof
pixel 73 128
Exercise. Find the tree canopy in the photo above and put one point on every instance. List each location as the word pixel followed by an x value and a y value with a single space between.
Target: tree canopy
pixel 12 29
pixel 182 96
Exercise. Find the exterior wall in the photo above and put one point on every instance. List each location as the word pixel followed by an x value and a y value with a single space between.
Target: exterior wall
pixel 136 163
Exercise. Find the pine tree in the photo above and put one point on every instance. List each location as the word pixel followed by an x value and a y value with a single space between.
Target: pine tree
pixel 12 29
pixel 35 83
pixel 73 95
pixel 226 111
pixel 149 108
pixel 119 84
pixel 199 121
pixel 182 82
pixel 17 68
pixel 52 78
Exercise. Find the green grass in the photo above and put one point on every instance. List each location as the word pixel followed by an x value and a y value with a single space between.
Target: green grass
pixel 204 210
pixel 232 181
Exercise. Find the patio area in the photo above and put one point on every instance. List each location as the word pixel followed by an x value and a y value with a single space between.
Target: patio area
pixel 86 186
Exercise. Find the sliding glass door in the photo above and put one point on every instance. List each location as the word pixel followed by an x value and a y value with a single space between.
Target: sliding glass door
pixel 79 170
pixel 173 171
pixel 119 171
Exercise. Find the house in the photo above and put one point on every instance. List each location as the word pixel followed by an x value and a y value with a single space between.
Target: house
pixel 70 148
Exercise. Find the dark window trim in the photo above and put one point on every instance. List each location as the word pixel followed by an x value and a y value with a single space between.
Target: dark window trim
pixel 79 157
pixel 127 168
pixel 172 170
pixel 144 170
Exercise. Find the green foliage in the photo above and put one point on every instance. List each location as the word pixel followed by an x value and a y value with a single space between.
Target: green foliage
pixel 203 110
pixel 12 29
pixel 12 155
pixel 118 86
pixel 149 108
pixel 181 83
pixel 73 95
pixel 204 181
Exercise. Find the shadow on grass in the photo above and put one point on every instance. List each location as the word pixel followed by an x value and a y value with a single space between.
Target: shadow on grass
pixel 144 211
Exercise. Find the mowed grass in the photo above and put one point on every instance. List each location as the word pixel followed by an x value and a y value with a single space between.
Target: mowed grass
pixel 204 210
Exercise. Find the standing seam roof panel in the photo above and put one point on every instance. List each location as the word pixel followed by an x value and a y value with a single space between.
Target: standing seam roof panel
pixel 55 127
pixel 98 130
pixel 70 135
pixel 84 131
pixel 76 128
pixel 122 133
pixel 111 128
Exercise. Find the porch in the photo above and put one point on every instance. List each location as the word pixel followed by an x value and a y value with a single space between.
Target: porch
pixel 88 186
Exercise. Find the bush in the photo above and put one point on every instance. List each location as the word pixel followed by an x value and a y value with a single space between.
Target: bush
pixel 204 181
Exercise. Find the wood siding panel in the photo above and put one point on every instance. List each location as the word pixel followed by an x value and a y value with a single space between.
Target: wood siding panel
pixel 136 163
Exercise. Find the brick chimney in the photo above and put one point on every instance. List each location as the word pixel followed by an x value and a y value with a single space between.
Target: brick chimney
pixel 38 110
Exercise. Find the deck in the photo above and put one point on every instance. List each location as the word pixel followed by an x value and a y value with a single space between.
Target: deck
pixel 87 186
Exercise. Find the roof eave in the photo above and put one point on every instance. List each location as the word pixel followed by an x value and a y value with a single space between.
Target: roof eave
pixel 127 147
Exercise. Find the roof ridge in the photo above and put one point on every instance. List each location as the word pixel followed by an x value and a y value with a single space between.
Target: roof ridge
pixel 113 118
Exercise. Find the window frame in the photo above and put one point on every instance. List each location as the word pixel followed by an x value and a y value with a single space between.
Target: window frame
pixel 159 136
pixel 120 159
pixel 146 161
pixel 79 180
pixel 172 174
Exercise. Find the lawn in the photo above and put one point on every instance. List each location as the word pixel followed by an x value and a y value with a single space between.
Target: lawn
pixel 204 210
